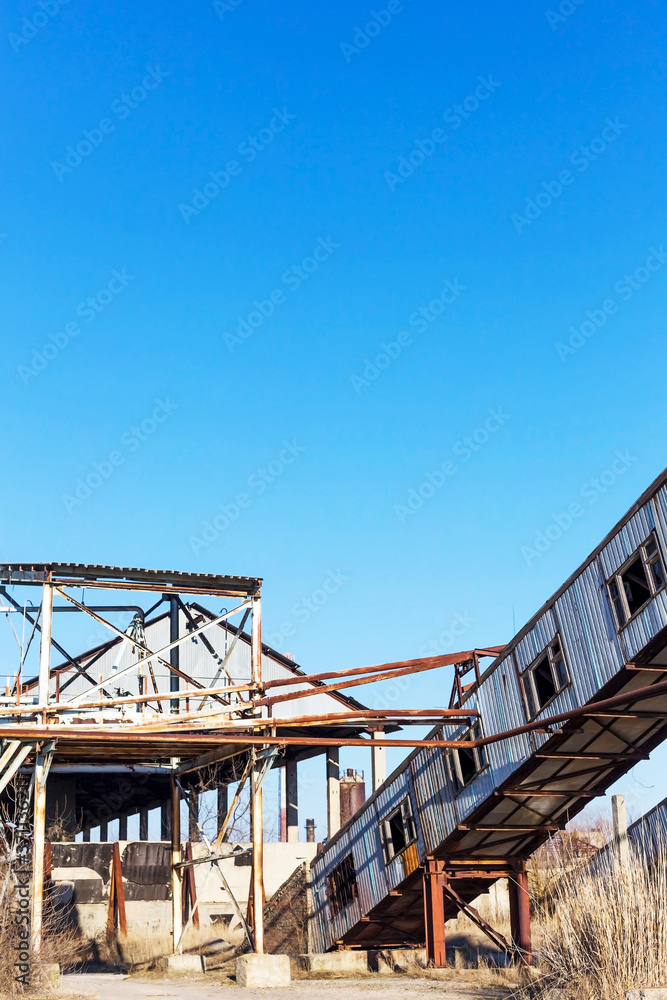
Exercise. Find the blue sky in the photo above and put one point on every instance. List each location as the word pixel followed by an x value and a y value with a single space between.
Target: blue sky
pixel 497 167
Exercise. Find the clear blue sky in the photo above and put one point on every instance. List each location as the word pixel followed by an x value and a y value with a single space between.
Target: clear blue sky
pixel 336 132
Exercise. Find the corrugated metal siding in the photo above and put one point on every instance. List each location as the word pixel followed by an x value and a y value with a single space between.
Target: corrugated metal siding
pixel 589 639
pixel 399 789
pixel 369 858
pixel 435 797
pixel 501 707
pixel 645 626
pixel 536 641
pixel 627 541
pixel 479 789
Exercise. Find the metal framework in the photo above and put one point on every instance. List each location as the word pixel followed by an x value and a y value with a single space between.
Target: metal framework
pixel 128 703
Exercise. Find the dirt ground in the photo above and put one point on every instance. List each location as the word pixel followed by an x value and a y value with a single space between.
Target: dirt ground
pixel 114 987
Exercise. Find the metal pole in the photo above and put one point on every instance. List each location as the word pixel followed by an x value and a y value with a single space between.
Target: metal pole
pixel 620 818
pixel 39 836
pixel 256 640
pixel 520 912
pixel 176 910
pixel 45 645
pixel 333 791
pixel 434 913
pixel 174 653
pixel 292 801
pixel 378 761
pixel 257 819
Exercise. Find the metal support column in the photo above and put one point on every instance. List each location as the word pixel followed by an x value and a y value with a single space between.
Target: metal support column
pixel 378 761
pixel 177 915
pixel 257 823
pixel 256 641
pixel 122 827
pixel 45 645
pixel 143 824
pixel 174 654
pixel 434 913
pixel 333 790
pixel 520 912
pixel 42 764
pixel 292 801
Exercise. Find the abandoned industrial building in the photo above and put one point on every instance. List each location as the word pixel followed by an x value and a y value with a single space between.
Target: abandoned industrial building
pixel 184 696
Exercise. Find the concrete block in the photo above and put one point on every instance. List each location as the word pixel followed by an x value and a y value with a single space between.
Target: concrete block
pixel 388 961
pixel 337 963
pixel 253 971
pixel 181 965
pixel 647 993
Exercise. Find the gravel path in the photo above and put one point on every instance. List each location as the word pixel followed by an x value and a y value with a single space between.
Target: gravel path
pixel 112 987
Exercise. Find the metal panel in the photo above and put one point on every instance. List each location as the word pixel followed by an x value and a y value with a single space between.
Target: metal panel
pixel 501 707
pixel 627 541
pixel 536 641
pixel 369 858
pixel 435 797
pixel 479 789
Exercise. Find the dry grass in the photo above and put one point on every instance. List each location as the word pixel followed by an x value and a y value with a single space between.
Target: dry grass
pixel 601 930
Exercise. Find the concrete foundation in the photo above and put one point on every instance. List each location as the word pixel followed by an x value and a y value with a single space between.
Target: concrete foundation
pixel 337 963
pixel 182 965
pixel 253 971
pixel 389 961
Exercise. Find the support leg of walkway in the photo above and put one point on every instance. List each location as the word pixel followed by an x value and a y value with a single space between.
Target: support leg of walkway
pixel 434 913
pixel 257 823
pixel 39 837
pixel 520 912
pixel 177 919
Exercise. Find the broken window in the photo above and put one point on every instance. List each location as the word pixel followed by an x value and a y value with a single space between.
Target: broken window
pixel 398 830
pixel 635 583
pixel 466 763
pixel 545 678
pixel 342 884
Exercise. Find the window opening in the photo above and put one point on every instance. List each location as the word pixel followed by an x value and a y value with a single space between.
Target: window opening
pixel 399 830
pixel 342 884
pixel 545 678
pixel 635 583
pixel 466 763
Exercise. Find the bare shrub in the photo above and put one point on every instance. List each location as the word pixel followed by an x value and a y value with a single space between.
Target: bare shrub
pixel 600 929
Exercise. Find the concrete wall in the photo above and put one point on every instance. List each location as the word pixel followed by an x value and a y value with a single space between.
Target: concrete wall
pixel 147 889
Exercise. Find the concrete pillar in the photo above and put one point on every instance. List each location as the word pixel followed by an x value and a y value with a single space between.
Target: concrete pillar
pixel 122 827
pixel 620 818
pixel 104 832
pixel 310 831
pixel 520 911
pixel 292 802
pixel 333 790
pixel 223 806
pixel 86 834
pixel 378 762
pixel 143 824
